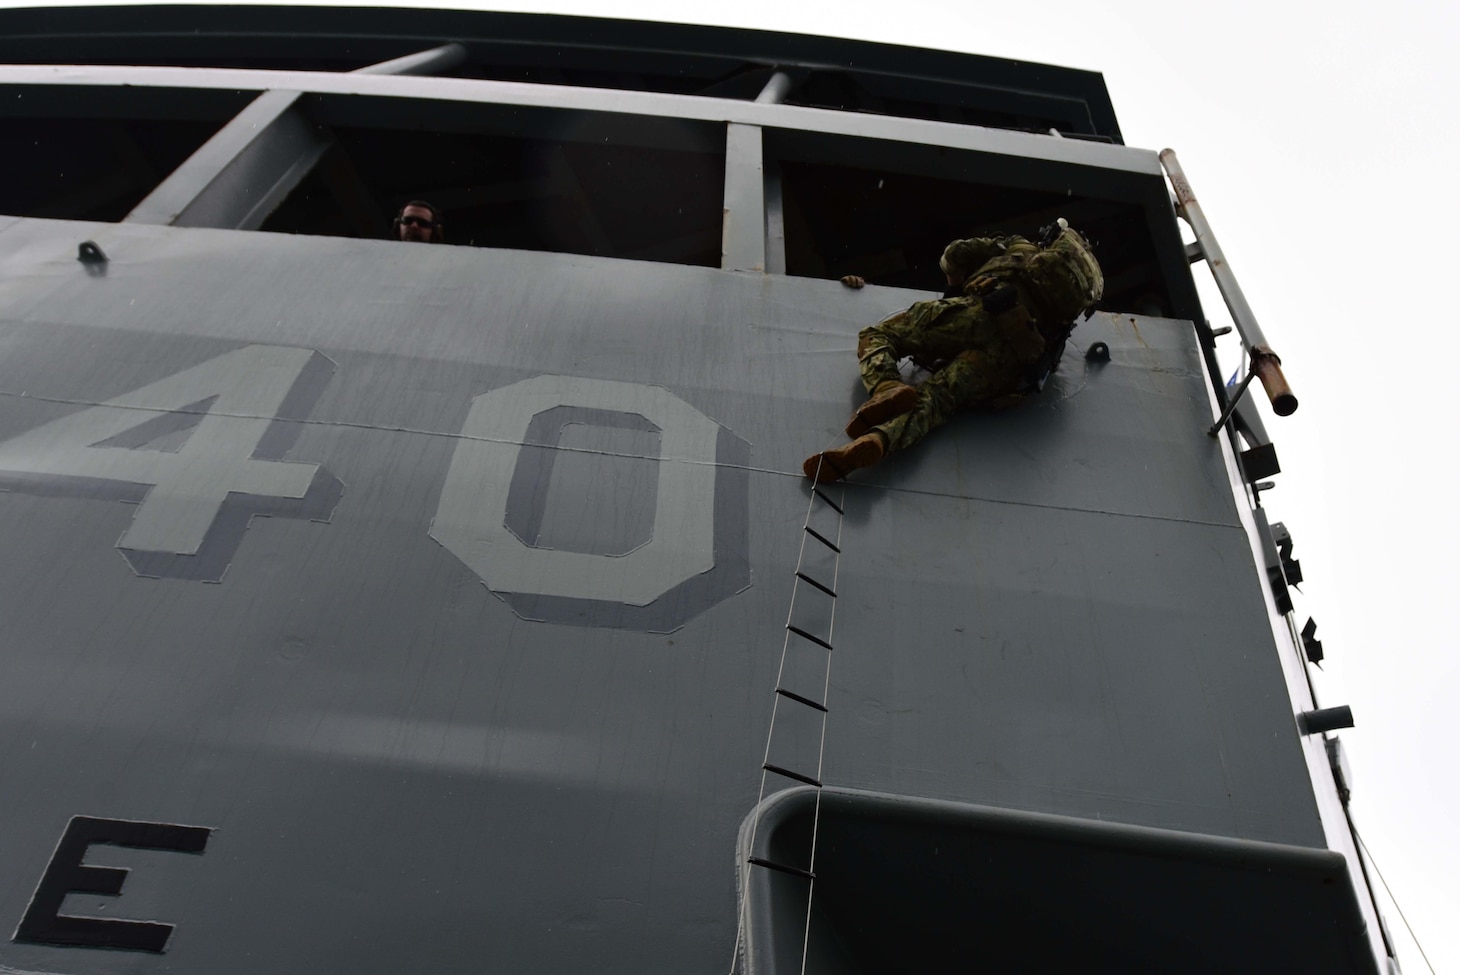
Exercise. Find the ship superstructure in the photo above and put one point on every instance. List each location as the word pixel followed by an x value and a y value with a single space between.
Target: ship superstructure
pixel 392 606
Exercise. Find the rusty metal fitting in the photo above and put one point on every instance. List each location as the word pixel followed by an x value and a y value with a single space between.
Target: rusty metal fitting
pixel 1268 368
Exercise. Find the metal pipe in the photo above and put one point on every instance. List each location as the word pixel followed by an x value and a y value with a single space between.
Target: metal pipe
pixel 1265 363
pixel 775 90
pixel 434 61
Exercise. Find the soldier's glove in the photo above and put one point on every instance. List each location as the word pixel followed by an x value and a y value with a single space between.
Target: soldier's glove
pixel 981 285
pixel 997 296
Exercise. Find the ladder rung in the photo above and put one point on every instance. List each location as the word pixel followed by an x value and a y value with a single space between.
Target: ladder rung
pixel 806 578
pixel 803 700
pixel 772 865
pixel 802 633
pixel 835 507
pixel 791 775
pixel 822 539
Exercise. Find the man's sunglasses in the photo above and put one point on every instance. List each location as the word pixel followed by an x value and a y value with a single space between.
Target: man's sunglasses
pixel 421 222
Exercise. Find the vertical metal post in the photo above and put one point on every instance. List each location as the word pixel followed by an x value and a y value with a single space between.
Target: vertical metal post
pixel 775 220
pixel 774 93
pixel 743 241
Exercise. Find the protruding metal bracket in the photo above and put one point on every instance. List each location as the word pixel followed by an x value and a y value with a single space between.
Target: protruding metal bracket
pixel 1265 365
pixel 1338 764
pixel 1325 719
pixel 1232 402
pixel 92 258
pixel 1292 570
pixel 1273 559
pixel 1312 647
pixel 1259 462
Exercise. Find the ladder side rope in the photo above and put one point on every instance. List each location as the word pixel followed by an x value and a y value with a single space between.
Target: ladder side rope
pixel 821 746
pixel 808 874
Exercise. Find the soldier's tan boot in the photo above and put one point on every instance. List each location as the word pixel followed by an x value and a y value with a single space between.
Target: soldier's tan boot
pixel 835 464
pixel 890 399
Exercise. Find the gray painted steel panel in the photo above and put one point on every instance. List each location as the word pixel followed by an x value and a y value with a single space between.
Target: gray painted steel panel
pixel 1052 609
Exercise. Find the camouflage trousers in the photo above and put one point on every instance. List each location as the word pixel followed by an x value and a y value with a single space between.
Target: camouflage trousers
pixel 978 358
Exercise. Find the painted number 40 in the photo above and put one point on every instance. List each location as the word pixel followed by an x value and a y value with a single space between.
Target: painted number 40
pixel 201 452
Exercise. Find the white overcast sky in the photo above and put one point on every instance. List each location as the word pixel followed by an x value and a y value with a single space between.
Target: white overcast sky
pixel 1321 141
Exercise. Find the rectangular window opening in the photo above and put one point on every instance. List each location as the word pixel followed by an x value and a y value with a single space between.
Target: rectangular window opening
pixel 507 177
pixel 77 153
pixel 887 214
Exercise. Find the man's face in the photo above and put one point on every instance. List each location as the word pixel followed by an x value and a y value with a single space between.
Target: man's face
pixel 416 223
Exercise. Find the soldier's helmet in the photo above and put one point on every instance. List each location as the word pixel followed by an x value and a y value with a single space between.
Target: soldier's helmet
pixel 961 258
pixel 1074 251
pixel 1066 278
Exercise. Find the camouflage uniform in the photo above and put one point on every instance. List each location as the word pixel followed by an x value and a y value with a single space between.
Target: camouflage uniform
pixel 984 342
